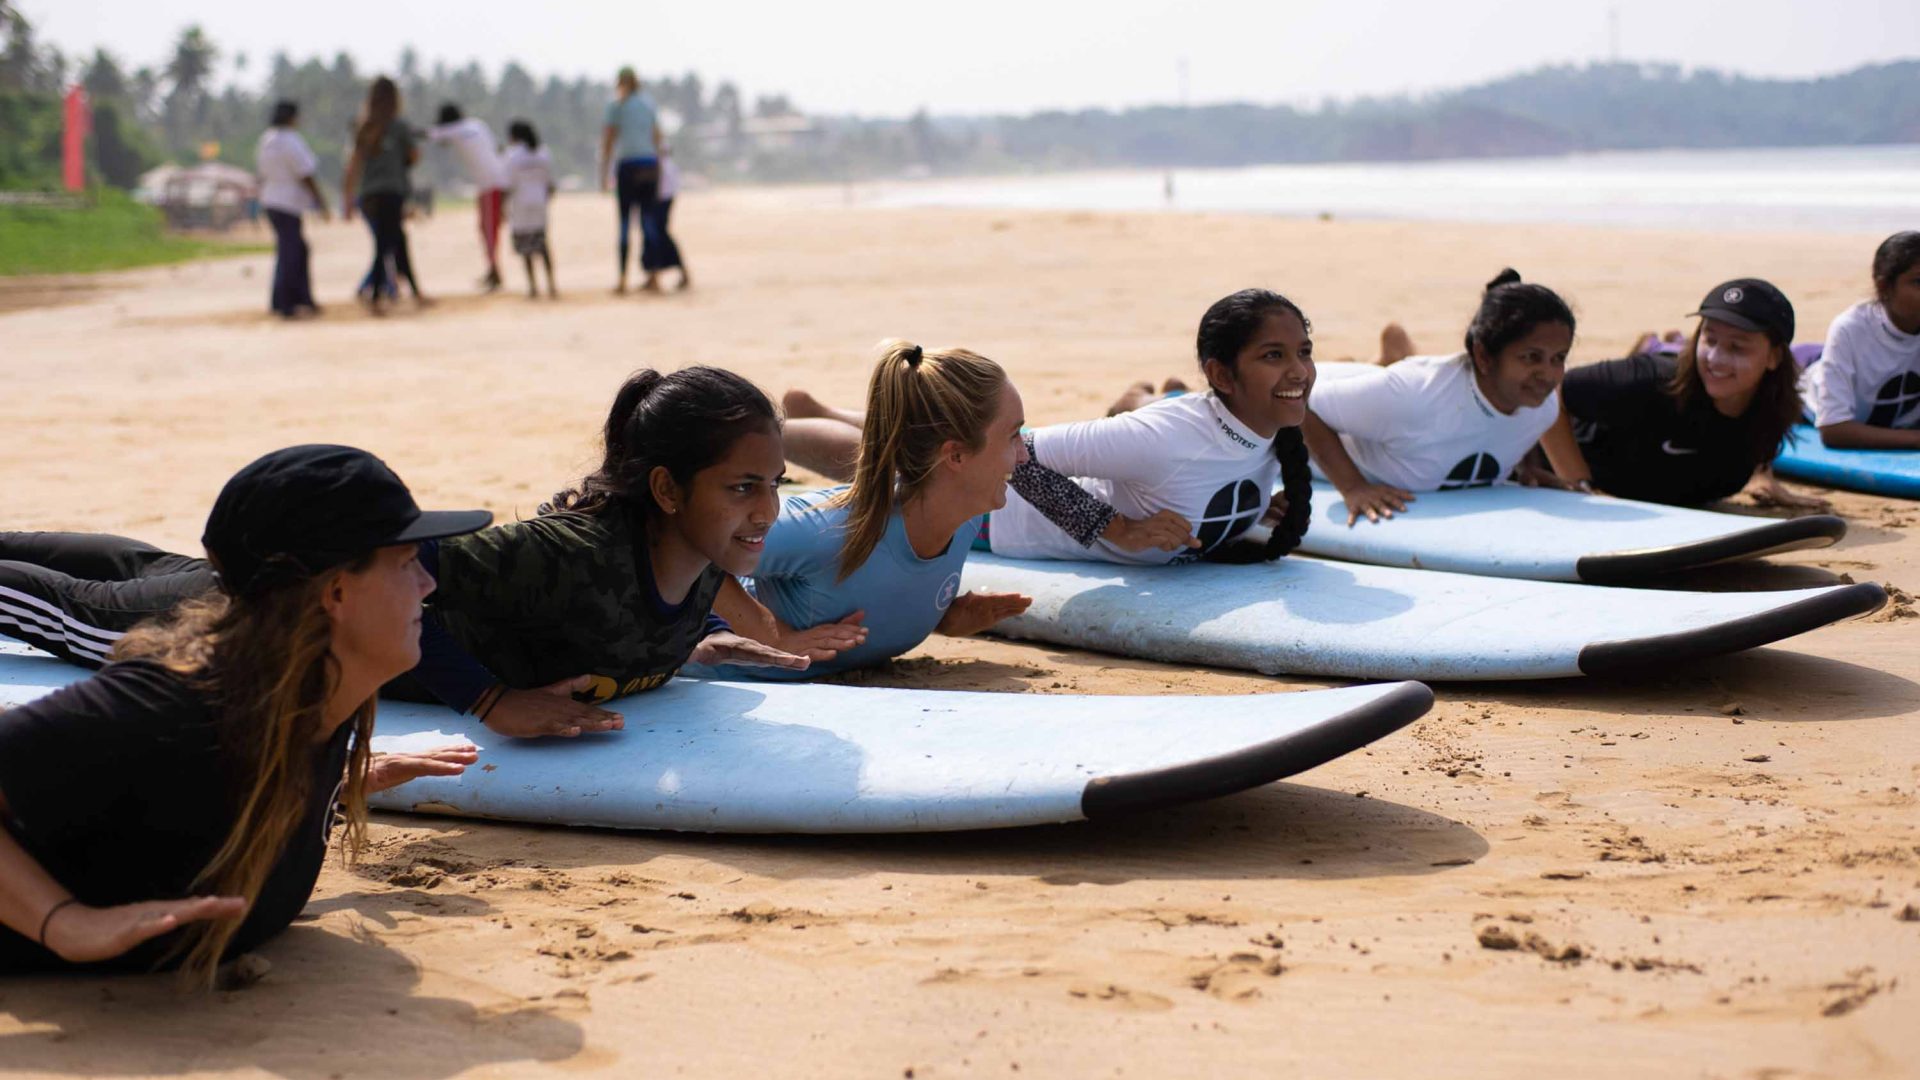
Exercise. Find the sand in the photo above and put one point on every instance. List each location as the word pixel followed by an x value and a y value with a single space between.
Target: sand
pixel 1709 872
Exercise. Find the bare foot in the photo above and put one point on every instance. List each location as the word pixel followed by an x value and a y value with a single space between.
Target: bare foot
pixel 800 405
pixel 651 285
pixel 620 289
pixel 686 282
pixel 1140 393
pixel 1395 345
pixel 1174 382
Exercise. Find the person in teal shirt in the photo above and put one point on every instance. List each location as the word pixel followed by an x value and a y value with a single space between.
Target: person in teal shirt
pixel 857 575
pixel 630 162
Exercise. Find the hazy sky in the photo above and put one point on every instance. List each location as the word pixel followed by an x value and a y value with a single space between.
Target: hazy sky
pixel 889 57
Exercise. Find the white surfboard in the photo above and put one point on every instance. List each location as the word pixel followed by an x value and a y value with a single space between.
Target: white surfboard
pixel 1506 530
pixel 797 758
pixel 1512 531
pixel 1307 616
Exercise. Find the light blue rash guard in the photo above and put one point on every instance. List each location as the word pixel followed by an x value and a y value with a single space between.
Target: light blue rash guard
pixel 633 117
pixel 904 595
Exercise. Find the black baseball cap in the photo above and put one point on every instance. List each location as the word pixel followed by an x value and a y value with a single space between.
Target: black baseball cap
pixel 306 509
pixel 1751 304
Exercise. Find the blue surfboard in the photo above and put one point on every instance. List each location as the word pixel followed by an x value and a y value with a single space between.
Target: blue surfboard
pixel 1876 472
pixel 795 758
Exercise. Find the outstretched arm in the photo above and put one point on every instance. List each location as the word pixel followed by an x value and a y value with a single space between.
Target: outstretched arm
pixel 40 909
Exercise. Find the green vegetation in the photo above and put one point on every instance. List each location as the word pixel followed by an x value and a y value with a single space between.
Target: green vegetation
pixel 111 233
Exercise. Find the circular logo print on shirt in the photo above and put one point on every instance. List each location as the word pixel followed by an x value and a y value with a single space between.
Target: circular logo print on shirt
pixel 1894 405
pixel 949 589
pixel 1480 470
pixel 1733 295
pixel 1231 511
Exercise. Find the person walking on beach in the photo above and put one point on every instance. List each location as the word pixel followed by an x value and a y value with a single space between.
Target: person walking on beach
pixel 287 190
pixel 473 141
pixel 384 150
pixel 529 187
pixel 630 161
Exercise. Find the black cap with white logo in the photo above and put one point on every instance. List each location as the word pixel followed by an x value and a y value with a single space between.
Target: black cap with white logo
pixel 305 509
pixel 1751 304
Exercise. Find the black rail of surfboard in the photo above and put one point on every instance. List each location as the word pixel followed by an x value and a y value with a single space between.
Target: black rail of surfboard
pixel 1814 530
pixel 1108 796
pixel 1666 650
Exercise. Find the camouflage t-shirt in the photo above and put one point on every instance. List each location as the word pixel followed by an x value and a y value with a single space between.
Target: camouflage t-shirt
pixel 564 595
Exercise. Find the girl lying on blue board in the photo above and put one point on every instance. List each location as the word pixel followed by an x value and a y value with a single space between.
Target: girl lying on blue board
pixel 856 575
pixel 1687 421
pixel 1434 423
pixel 1864 391
pixel 1203 467
pixel 607 592
pixel 174 809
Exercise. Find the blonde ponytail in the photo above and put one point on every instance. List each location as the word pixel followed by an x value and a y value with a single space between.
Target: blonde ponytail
pixel 917 402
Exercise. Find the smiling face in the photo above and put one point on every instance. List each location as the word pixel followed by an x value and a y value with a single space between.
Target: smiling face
pixel 974 479
pixel 1901 298
pixel 375 613
pixel 1266 386
pixel 1732 362
pixel 726 509
pixel 1528 371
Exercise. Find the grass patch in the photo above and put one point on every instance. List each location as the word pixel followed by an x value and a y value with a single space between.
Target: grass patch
pixel 114 233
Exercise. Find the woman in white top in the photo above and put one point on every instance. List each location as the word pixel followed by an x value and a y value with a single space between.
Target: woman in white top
pixel 1864 391
pixel 1432 423
pixel 287 190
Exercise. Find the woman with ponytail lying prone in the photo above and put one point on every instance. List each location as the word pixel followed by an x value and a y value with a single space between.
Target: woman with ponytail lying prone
pixel 175 808
pixel 1435 423
pixel 1141 477
pixel 857 575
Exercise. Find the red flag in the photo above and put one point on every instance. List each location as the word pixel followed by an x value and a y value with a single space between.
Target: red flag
pixel 79 126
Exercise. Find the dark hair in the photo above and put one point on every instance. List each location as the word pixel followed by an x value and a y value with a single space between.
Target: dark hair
pixel 1224 330
pixel 1776 405
pixel 1896 255
pixel 683 422
pixel 522 131
pixel 378 114
pixel 284 112
pixel 449 113
pixel 1509 311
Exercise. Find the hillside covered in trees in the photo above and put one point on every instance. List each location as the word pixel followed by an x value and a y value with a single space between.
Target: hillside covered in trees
pixel 174 110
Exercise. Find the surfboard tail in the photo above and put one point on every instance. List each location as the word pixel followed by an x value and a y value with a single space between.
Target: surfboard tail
pixel 1750 632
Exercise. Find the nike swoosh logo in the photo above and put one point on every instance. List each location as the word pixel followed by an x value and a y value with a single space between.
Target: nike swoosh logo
pixel 1668 446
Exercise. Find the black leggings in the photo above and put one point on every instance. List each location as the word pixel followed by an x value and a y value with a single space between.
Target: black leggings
pixel 386 216
pixel 636 185
pixel 74 594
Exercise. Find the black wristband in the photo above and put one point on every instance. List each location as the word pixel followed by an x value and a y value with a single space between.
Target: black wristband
pixel 47 920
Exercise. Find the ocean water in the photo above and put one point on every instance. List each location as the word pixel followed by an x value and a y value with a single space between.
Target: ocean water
pixel 1873 189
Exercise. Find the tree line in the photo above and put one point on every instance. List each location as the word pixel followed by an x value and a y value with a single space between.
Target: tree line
pixel 173 111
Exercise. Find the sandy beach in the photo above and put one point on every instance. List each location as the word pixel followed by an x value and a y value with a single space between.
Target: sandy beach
pixel 1708 872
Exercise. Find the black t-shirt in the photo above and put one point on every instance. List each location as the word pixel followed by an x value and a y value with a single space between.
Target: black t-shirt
pixel 1642 445
pixel 118 786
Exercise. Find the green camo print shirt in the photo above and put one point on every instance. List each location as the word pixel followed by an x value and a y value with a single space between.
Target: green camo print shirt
pixel 565 595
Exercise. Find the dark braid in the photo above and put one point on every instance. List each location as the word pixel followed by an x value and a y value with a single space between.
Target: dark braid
pixel 1224 331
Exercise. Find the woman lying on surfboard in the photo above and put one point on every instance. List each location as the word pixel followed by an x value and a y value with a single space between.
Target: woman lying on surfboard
pixel 869 570
pixel 174 809
pixel 1688 421
pixel 1864 391
pixel 1430 423
pixel 607 592
pixel 1191 472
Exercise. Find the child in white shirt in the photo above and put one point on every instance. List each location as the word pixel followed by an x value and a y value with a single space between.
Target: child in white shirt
pixel 529 186
pixel 1864 391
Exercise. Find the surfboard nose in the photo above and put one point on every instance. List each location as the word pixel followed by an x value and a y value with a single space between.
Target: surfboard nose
pixel 1734 635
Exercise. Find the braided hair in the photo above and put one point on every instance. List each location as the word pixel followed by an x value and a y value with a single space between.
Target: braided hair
pixel 1224 331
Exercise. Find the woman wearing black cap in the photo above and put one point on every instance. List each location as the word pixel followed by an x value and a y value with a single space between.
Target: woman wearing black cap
pixel 1691 428
pixel 217 742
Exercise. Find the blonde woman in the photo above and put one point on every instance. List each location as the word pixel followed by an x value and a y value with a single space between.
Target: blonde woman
pixel 217 743
pixel 857 575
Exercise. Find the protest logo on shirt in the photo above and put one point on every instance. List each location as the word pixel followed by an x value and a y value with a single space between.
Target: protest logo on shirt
pixel 1232 510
